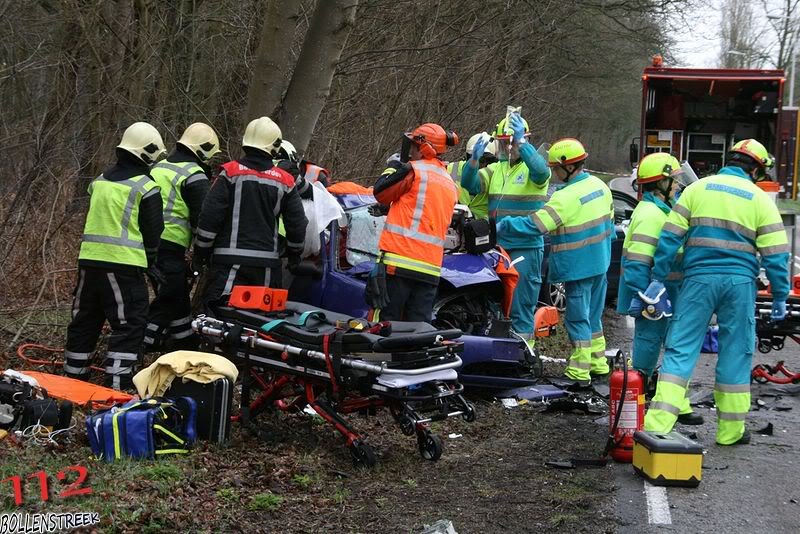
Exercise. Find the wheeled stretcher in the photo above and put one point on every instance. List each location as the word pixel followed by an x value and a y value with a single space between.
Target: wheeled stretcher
pixel 303 356
pixel 771 335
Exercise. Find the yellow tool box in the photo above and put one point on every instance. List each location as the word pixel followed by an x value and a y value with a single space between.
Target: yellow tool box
pixel 667 459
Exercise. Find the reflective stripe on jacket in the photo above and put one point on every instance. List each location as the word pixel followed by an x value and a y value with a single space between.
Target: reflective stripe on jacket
pixel 639 248
pixel 111 232
pixel 454 169
pixel 513 193
pixel 240 215
pixel 478 204
pixel 170 177
pixel 314 172
pixel 580 219
pixel 725 222
pixel 412 240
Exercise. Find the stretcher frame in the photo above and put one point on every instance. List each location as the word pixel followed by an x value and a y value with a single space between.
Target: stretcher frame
pixel 771 335
pixel 291 378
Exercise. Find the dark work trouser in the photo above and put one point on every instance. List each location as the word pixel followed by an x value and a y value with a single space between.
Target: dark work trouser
pixel 222 278
pixel 169 322
pixel 409 300
pixel 120 297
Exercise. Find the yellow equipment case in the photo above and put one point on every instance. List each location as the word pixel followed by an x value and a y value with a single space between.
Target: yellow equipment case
pixel 667 459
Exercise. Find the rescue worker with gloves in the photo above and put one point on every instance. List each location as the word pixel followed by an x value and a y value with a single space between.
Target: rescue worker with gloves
pixel 580 220
pixel 478 204
pixel 421 197
pixel 183 180
pixel 517 185
pixel 661 179
pixel 724 223
pixel 119 243
pixel 238 227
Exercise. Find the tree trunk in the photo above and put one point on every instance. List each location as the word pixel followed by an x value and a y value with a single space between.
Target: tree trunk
pixel 311 82
pixel 273 58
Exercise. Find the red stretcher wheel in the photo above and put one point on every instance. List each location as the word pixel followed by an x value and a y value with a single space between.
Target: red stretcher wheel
pixel 430 445
pixel 363 455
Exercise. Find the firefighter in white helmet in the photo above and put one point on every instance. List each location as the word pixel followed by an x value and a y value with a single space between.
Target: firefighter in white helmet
pixel 238 227
pixel 305 172
pixel 184 181
pixel 120 242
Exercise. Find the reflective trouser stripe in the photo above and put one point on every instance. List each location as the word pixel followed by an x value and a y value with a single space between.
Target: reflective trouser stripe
pixel 115 367
pixel 181 334
pixel 673 379
pixel 118 298
pixel 72 370
pixel 82 356
pixel 76 304
pixel 580 361
pixel 733 404
pixel 182 328
pixel 76 363
pixel 181 321
pixel 666 404
pixel 231 278
pixel 598 348
pixel 152 332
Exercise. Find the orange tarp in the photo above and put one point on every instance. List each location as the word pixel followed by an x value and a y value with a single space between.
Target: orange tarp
pixel 348 188
pixel 77 391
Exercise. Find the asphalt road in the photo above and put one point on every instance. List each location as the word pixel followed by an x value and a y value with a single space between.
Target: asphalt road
pixel 751 488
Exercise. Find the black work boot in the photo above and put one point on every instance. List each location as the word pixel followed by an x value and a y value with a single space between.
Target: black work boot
pixel 690 419
pixel 744 440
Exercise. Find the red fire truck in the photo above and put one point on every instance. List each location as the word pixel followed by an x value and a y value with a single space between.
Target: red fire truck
pixel 698 114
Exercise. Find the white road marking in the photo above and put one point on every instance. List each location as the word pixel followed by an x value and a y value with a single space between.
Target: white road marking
pixel 657 505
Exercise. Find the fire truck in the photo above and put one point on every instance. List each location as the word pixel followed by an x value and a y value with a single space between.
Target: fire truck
pixel 698 114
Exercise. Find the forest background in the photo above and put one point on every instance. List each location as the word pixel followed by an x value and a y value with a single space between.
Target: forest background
pixel 343 78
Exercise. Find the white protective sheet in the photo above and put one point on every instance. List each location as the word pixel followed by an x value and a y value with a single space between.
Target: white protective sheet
pixel 319 213
pixel 401 381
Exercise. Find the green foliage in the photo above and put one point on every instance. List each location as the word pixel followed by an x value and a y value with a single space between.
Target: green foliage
pixel 268 502
pixel 228 494
pixel 410 482
pixel 304 481
pixel 340 496
pixel 163 471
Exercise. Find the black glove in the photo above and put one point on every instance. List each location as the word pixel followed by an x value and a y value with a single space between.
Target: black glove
pixel 292 261
pixel 378 210
pixel 157 278
pixel 200 258
pixel 376 292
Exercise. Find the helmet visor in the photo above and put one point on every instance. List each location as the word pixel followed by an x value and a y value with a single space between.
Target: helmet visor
pixel 770 166
pixel 684 175
pixel 543 150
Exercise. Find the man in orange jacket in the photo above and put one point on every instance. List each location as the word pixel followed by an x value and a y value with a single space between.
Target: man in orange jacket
pixel 421 197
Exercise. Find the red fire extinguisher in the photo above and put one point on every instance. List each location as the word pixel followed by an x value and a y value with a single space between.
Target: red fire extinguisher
pixel 627 410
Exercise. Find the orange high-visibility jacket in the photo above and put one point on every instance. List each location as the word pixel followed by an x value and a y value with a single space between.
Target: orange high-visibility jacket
pixel 313 173
pixel 412 241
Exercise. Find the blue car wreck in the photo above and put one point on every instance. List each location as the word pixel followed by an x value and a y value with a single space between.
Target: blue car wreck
pixel 469 297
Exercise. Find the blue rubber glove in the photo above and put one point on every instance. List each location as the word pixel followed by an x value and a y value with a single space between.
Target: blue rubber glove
pixel 479 148
pixel 657 305
pixel 518 127
pixel 778 310
pixel 502 225
pixel 636 307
